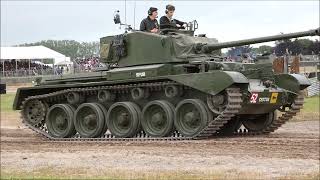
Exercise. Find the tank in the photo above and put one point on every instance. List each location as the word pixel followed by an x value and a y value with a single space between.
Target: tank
pixel 167 86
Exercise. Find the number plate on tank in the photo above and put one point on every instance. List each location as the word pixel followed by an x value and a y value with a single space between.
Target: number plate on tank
pixel 140 74
pixel 264 98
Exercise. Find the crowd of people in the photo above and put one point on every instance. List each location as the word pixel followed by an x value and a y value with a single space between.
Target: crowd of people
pixel 13 68
pixel 22 68
pixel 62 69
pixel 87 64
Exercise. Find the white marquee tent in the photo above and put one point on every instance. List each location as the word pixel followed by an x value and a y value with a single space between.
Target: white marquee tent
pixel 33 53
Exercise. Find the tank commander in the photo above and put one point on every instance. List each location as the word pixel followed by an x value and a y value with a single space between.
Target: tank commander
pixel 167 21
pixel 150 24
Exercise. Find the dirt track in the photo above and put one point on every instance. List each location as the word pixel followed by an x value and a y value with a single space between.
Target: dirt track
pixel 293 149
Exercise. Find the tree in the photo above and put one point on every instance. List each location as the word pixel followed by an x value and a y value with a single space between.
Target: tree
pixel 298 46
pixel 70 48
pixel 264 49
pixel 305 46
pixel 238 51
pixel 315 47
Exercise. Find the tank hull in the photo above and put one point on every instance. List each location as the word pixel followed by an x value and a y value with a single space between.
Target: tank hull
pixel 216 96
pixel 212 83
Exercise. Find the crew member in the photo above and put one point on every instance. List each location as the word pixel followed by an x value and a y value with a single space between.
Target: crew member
pixel 167 21
pixel 150 24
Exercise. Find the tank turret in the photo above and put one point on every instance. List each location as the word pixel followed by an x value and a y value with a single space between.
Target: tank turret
pixel 141 48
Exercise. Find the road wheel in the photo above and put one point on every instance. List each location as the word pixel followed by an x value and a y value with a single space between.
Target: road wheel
pixel 256 123
pixel 59 121
pixel 89 120
pixel 123 119
pixel 158 118
pixel 104 110
pixel 191 116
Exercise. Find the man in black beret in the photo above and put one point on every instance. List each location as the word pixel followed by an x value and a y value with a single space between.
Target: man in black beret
pixel 167 21
pixel 150 24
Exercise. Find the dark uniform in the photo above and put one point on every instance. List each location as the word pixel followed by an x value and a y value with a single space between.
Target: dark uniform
pixel 165 22
pixel 147 24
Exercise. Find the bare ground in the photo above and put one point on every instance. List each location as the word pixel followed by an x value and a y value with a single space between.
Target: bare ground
pixel 290 152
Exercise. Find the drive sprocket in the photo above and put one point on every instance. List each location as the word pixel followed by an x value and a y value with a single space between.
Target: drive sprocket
pixel 34 112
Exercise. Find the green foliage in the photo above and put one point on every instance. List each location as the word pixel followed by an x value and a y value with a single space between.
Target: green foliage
pixel 295 47
pixel 298 46
pixel 263 49
pixel 70 48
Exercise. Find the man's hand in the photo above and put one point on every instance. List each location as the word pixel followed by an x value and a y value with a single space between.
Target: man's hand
pixel 154 30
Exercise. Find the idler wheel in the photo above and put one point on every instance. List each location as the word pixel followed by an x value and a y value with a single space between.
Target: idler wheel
pixel 74 98
pixel 191 116
pixel 158 118
pixel 106 96
pixel 89 120
pixel 139 93
pixel 59 121
pixel 172 91
pixel 256 123
pixel 123 119
pixel 34 112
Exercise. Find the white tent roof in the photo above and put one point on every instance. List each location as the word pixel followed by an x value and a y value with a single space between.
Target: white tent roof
pixel 31 52
pixel 66 62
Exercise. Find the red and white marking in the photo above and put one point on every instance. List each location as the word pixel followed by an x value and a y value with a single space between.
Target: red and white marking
pixel 253 98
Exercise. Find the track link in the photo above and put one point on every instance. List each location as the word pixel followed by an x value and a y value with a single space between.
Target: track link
pixel 232 108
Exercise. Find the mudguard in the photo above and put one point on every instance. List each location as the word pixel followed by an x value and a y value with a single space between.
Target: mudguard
pixel 292 82
pixel 211 82
pixel 24 92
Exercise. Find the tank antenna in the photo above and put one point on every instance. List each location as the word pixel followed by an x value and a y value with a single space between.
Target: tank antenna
pixel 134 15
pixel 125 11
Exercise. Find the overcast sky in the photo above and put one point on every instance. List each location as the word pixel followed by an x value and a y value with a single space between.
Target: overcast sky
pixel 32 21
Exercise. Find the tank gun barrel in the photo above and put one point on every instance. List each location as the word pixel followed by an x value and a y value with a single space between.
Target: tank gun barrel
pixel 211 47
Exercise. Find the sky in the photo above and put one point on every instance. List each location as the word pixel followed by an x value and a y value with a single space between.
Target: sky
pixel 86 21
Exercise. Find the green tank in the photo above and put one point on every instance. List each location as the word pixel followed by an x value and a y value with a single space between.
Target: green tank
pixel 167 86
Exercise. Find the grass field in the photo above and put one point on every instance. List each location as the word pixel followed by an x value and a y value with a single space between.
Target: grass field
pixel 311 105
pixel 6 102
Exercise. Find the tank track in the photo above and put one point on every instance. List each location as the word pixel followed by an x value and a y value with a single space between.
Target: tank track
pixel 232 108
pixel 295 107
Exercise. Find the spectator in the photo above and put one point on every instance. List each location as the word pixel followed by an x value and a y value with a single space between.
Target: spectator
pixel 21 68
pixel 87 64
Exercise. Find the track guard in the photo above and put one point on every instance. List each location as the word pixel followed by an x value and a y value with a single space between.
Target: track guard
pixel 211 82
pixel 292 82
